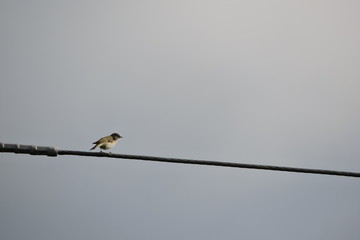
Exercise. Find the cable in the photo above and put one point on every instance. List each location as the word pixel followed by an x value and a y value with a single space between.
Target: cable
pixel 52 151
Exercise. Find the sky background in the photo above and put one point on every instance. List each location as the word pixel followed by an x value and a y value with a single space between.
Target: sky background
pixel 260 82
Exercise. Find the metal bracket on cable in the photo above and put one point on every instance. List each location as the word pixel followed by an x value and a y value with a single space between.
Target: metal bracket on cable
pixel 29 149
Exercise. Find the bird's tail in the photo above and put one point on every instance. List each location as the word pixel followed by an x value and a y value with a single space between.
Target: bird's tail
pixel 93 147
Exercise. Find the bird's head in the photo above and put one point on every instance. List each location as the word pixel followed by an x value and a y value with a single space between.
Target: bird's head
pixel 116 136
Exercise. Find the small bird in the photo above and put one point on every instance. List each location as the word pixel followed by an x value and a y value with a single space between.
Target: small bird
pixel 107 142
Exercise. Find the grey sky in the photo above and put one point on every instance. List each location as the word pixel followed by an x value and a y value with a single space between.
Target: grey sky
pixel 265 82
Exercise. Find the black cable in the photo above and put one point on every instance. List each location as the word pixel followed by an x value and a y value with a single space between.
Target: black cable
pixel 51 151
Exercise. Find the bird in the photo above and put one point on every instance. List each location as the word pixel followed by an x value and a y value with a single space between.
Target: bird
pixel 107 142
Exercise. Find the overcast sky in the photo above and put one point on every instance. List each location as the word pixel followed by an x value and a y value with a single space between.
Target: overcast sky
pixel 261 82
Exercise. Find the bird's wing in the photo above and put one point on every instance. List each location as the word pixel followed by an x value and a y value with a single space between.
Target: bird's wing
pixel 104 139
